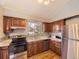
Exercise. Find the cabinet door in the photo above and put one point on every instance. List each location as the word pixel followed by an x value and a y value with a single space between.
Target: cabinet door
pixel 4 53
pixel 58 26
pixel 34 48
pixel 39 46
pixel 6 23
pixel 53 45
pixel 58 47
pixel 14 22
pixel 22 23
pixel 48 27
pixel 29 49
pixel 62 24
pixel 18 22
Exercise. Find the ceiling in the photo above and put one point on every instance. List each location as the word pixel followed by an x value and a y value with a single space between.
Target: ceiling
pixel 31 9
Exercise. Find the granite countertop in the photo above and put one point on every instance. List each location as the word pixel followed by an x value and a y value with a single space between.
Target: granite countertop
pixel 30 39
pixel 5 43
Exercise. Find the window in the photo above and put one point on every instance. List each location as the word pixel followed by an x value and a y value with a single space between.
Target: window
pixel 35 28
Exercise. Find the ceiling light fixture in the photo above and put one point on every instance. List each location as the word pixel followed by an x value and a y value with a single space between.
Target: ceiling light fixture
pixel 40 1
pixel 45 2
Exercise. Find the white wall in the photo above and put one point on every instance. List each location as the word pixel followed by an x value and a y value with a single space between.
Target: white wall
pixel 69 9
pixel 8 12
pixel 73 46
pixel 1 22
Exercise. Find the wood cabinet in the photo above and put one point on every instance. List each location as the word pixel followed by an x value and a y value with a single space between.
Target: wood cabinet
pixel 18 22
pixel 58 47
pixel 48 27
pixel 42 45
pixel 55 46
pixel 39 46
pixel 29 49
pixel 4 53
pixel 52 45
pixel 6 23
pixel 56 26
pixel 9 22
pixel 36 47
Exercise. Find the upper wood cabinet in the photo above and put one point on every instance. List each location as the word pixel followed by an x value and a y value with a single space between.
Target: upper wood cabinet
pixel 48 27
pixel 6 23
pixel 56 26
pixel 18 22
pixel 9 22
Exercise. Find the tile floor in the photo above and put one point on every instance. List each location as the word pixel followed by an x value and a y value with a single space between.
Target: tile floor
pixel 46 55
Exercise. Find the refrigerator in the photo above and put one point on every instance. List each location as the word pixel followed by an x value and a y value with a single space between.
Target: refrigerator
pixel 72 36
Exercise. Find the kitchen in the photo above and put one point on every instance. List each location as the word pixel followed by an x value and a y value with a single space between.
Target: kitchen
pixel 36 37
pixel 34 44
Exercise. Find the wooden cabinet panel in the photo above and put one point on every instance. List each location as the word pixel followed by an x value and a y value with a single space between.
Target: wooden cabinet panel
pixel 48 27
pixel 9 22
pixel 39 46
pixel 55 46
pixel 6 23
pixel 29 49
pixel 18 22
pixel 36 47
pixel 43 45
pixel 58 47
pixel 56 26
pixel 52 45
pixel 22 23
pixel 14 22
pixel 4 53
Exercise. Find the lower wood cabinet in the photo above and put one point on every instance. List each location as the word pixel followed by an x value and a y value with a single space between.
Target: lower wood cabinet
pixel 4 53
pixel 55 46
pixel 36 47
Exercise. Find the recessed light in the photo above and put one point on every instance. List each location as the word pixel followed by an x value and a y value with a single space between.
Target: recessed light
pixel 40 1
pixel 52 0
pixel 46 2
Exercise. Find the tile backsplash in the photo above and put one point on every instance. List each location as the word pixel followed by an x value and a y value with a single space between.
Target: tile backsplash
pixel 18 32
pixel 53 35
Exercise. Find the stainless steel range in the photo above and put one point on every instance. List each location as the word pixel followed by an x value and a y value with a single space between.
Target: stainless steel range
pixel 18 44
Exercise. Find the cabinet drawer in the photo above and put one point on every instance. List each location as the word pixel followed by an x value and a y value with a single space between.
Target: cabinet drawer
pixel 57 44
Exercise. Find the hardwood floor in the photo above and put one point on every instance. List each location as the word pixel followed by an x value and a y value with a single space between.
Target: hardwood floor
pixel 22 55
pixel 46 55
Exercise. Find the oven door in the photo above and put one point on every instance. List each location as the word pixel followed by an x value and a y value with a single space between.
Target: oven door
pixel 19 49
